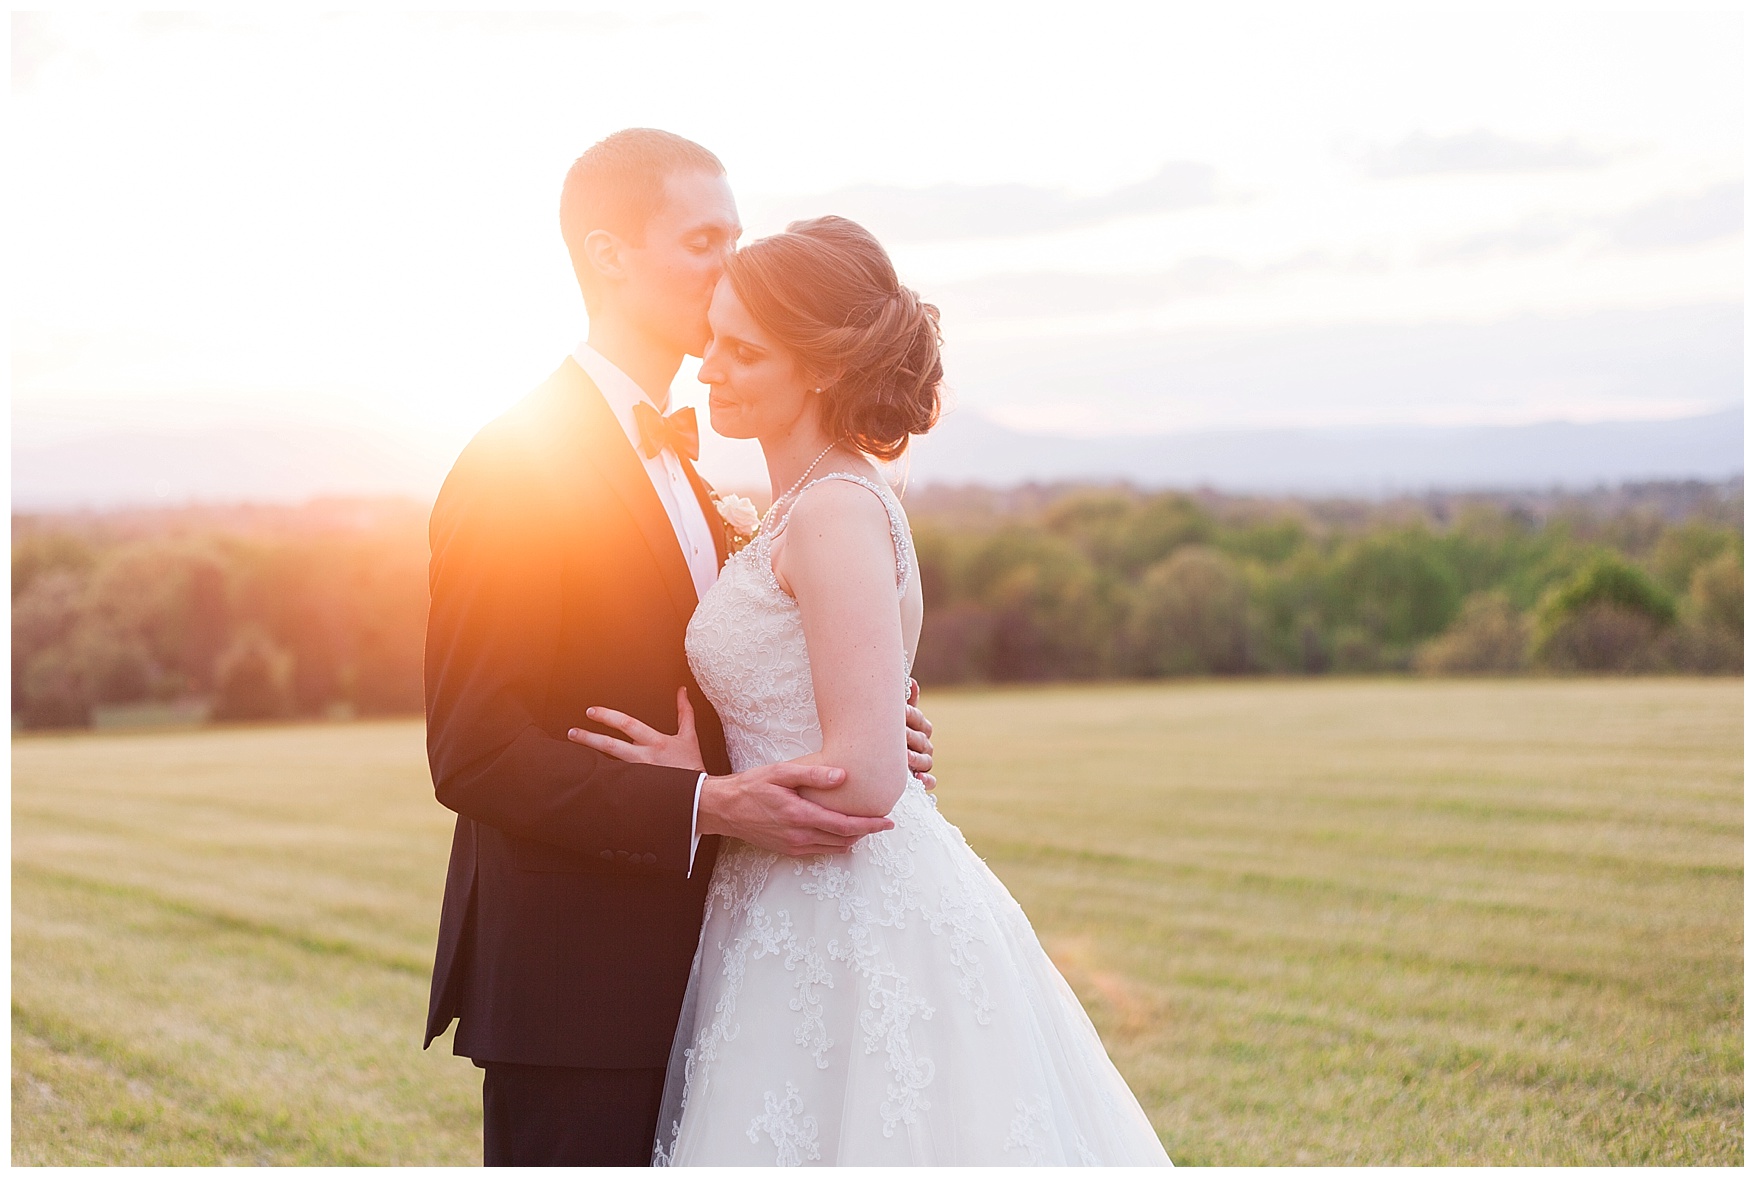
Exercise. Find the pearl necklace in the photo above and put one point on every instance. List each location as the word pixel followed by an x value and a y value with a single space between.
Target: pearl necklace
pixel 774 506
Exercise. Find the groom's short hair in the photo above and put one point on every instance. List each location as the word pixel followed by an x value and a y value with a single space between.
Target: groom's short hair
pixel 618 184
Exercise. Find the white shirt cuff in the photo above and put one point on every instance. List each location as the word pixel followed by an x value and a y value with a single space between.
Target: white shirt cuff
pixel 695 824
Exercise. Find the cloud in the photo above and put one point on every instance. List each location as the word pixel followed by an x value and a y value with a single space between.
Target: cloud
pixel 543 24
pixel 1421 154
pixel 1053 294
pixel 1006 296
pixel 946 211
pixel 33 44
pixel 1533 235
pixel 1666 222
pixel 1632 363
pixel 1673 221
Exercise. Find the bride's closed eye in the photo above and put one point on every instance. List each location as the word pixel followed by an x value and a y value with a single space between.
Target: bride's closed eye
pixel 737 350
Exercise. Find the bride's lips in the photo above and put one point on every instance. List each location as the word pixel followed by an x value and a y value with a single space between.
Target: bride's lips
pixel 715 401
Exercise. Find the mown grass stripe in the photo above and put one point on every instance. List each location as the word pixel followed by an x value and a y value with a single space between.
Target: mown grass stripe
pixel 226 921
pixel 229 1128
pixel 1155 868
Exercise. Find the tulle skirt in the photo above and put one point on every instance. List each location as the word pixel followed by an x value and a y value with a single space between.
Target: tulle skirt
pixel 888 1006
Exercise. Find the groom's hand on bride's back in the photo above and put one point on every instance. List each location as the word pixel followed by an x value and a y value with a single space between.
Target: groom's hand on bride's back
pixel 919 738
pixel 762 806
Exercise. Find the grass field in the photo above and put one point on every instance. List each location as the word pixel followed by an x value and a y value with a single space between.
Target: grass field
pixel 1332 922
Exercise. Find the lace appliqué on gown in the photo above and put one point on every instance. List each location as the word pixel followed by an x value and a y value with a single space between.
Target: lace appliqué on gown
pixel 890 1005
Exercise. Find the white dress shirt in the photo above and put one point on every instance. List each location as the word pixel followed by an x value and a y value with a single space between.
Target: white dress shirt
pixel 693 533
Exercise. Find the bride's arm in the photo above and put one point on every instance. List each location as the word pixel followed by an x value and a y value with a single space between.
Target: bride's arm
pixel 837 560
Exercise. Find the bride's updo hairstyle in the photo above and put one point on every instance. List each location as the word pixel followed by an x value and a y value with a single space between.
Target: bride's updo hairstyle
pixel 826 290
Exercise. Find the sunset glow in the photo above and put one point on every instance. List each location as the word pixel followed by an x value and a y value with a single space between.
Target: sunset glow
pixel 345 225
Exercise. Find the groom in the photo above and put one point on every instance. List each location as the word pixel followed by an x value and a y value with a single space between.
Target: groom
pixel 570 544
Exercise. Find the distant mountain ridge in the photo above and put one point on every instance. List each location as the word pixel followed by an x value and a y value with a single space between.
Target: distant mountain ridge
pixel 258 464
pixel 968 449
pixel 292 465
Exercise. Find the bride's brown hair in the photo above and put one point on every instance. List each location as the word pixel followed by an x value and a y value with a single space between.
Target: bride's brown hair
pixel 826 290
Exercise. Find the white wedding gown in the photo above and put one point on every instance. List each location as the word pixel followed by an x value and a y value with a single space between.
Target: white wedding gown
pixel 886 1006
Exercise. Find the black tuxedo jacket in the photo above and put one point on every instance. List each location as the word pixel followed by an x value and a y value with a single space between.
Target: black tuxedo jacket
pixel 570 915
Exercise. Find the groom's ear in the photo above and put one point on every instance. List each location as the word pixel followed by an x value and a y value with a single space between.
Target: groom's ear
pixel 603 253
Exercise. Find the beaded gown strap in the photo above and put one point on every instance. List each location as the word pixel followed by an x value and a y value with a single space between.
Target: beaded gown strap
pixel 898 521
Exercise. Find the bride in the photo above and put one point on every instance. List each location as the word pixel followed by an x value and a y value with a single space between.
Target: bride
pixel 890 1005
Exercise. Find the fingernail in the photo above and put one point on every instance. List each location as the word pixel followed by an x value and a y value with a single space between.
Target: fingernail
pixel 591 711
pixel 572 732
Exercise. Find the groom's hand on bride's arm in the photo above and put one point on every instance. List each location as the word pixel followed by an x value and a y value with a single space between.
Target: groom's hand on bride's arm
pixel 759 806
pixel 919 739
pixel 762 806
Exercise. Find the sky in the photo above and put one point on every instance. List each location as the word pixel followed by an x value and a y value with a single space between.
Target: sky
pixel 1136 218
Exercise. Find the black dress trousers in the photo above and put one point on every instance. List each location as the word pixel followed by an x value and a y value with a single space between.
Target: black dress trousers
pixel 541 1116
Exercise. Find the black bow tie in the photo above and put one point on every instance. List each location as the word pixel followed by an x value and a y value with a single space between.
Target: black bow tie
pixel 677 432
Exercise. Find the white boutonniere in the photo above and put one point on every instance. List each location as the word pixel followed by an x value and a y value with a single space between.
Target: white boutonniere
pixel 740 518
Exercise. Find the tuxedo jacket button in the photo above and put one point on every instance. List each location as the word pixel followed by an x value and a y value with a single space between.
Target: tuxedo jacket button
pixel 648 858
pixel 606 854
pixel 622 856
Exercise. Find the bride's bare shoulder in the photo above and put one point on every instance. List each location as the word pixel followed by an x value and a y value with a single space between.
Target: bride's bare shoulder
pixel 837 530
pixel 835 503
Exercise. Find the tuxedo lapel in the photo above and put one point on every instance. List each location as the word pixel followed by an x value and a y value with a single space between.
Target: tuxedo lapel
pixel 604 443
pixel 715 523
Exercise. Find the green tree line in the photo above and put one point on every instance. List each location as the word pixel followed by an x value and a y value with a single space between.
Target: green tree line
pixel 258 615
pixel 1083 583
pixel 270 613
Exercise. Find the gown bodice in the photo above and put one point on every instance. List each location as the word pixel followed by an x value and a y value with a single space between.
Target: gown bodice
pixel 746 644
